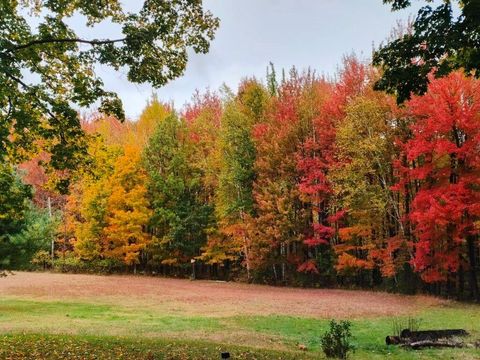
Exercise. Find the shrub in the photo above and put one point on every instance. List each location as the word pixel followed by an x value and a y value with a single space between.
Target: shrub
pixel 42 259
pixel 336 341
pixel 71 264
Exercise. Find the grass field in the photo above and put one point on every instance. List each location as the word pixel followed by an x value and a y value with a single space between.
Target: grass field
pixel 56 316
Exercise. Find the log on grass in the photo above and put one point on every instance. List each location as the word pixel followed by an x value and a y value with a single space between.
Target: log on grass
pixel 408 336
pixel 393 340
pixel 434 343
pixel 432 334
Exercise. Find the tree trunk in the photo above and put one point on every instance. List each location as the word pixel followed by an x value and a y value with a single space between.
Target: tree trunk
pixel 461 282
pixel 472 270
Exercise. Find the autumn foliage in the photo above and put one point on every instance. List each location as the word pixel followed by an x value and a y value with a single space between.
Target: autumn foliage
pixel 443 164
pixel 300 181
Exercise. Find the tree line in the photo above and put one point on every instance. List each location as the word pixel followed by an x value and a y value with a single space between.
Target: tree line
pixel 302 180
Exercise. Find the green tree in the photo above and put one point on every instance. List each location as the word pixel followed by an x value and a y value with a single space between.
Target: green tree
pixel 23 228
pixel 39 229
pixel 234 198
pixel 180 217
pixel 14 202
pixel 439 40
pixel 47 67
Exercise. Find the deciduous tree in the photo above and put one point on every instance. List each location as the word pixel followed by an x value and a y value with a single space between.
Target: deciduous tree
pixel 443 156
pixel 152 45
pixel 179 216
pixel 440 41
pixel 128 213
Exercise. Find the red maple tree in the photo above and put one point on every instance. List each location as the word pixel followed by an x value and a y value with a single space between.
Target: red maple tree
pixel 444 165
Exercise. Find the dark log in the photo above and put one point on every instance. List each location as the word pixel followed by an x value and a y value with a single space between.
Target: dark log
pixel 393 340
pixel 408 337
pixel 431 334
pixel 434 343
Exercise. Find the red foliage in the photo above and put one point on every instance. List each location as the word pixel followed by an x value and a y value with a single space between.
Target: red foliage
pixel 203 102
pixel 33 173
pixel 444 155
pixel 317 154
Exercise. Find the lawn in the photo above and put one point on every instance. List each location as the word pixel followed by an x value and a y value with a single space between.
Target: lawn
pixel 95 317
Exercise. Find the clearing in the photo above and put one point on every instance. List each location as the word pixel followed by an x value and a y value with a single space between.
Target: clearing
pixel 137 316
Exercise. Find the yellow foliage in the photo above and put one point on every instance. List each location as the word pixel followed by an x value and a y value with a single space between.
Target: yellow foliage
pixel 127 209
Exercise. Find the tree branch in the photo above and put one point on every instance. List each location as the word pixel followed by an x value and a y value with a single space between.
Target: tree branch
pixel 39 101
pixel 64 40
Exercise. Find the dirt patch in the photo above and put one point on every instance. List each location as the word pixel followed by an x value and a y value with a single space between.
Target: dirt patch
pixel 210 298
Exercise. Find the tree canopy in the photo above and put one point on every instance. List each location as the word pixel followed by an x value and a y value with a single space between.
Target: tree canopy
pixel 439 40
pixel 47 68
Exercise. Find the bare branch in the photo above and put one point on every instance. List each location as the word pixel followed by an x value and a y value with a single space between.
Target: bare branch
pixel 64 40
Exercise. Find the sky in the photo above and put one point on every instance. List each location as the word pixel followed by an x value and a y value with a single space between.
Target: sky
pixel 303 33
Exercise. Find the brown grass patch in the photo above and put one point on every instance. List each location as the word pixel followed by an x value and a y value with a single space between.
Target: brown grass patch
pixel 210 298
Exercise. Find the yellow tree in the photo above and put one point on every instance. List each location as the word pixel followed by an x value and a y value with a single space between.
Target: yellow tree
pixel 151 116
pixel 88 221
pixel 128 212
pixel 362 178
pixel 85 209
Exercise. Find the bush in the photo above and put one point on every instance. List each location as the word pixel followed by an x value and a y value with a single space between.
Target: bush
pixel 336 341
pixel 42 259
pixel 71 264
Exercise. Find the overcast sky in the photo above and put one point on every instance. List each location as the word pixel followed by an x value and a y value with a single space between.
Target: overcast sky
pixel 315 33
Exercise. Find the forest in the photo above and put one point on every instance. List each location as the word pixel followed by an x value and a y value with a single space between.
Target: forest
pixel 302 204
pixel 297 179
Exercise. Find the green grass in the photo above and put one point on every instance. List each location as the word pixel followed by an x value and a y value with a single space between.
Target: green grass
pixel 86 328
pixel 370 333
